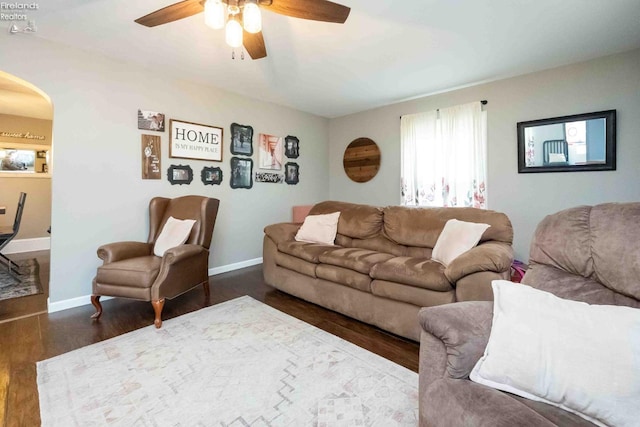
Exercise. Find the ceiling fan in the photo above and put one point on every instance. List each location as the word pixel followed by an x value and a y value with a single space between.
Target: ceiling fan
pixel 249 33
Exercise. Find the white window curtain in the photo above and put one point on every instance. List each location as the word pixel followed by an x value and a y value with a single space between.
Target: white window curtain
pixel 444 157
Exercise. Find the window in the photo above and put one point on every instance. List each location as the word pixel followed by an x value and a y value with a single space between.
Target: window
pixel 444 157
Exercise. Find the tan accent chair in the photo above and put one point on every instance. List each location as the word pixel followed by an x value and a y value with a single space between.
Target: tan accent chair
pixel 131 270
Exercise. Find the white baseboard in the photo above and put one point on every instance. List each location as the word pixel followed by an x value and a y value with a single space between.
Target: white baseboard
pixel 86 299
pixel 27 245
pixel 235 266
pixel 71 303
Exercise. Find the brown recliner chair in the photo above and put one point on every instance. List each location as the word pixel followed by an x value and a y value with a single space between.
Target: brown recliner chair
pixel 586 253
pixel 131 270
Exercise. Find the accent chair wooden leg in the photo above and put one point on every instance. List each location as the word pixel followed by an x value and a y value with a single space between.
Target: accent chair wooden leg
pixel 95 300
pixel 207 292
pixel 158 305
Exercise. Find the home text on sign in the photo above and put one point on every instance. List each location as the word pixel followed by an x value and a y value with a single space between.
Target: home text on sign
pixel 195 141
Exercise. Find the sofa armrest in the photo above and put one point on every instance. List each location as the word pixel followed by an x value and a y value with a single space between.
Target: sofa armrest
pixel 490 256
pixel 463 330
pixel 282 232
pixel 112 252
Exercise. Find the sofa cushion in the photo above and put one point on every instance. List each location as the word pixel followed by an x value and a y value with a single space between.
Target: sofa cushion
pixel 357 221
pixel 454 402
pixel 615 237
pixel 360 260
pixel 420 272
pixel 571 286
pixel 379 244
pixel 296 264
pixel 139 272
pixel 344 276
pixel 426 224
pixel 303 250
pixel 563 240
pixel 411 294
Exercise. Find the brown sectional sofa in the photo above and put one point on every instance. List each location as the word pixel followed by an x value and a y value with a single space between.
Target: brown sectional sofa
pixel 380 270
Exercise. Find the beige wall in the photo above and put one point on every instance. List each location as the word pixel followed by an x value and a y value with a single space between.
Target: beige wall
pixel 36 217
pixel 11 123
pixel 98 194
pixel 611 82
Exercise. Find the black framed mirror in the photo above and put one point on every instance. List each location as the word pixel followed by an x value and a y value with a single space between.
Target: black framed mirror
pixel 581 142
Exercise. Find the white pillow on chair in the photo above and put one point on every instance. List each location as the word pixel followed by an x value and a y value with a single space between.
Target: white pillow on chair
pixel 579 357
pixel 174 233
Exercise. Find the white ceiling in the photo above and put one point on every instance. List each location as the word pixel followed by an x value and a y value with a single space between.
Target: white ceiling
pixel 387 51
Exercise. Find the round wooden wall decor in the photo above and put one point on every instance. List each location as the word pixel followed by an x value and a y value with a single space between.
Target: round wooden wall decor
pixel 361 160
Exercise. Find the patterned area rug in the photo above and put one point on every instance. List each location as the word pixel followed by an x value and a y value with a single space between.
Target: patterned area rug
pixel 239 363
pixel 27 283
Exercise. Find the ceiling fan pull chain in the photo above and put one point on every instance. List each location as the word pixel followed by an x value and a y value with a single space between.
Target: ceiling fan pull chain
pixel 233 54
pixel 242 54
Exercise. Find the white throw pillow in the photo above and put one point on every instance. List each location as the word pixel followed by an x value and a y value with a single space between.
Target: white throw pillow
pixel 319 229
pixel 174 233
pixel 456 238
pixel 579 357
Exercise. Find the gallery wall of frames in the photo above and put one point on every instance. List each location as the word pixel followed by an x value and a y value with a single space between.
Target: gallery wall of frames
pixel 254 157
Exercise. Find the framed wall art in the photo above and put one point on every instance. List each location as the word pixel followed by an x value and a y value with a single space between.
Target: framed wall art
pixel 195 141
pixel 180 174
pixel 151 157
pixel 241 172
pixel 150 120
pixel 270 152
pixel 211 176
pixel 241 139
pixel 291 173
pixel 291 147
pixel 273 178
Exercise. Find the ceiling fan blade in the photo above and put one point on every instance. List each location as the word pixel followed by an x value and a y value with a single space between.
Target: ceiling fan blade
pixel 254 43
pixel 316 10
pixel 176 11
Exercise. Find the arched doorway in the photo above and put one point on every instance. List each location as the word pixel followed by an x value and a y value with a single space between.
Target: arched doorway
pixel 26 166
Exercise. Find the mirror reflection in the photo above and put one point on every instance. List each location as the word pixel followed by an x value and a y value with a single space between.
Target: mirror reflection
pixel 570 143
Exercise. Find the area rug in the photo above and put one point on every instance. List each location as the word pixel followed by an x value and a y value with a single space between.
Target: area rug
pixel 239 363
pixel 26 283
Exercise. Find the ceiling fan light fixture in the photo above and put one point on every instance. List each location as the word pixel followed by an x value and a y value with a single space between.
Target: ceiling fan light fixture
pixel 233 32
pixel 214 14
pixel 252 18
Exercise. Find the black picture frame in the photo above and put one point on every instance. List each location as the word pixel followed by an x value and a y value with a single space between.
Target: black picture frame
pixel 291 147
pixel 211 176
pixel 180 174
pixel 527 150
pixel 291 173
pixel 241 172
pixel 268 177
pixel 241 139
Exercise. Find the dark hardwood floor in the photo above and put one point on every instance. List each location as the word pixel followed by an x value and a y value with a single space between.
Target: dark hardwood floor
pixel 27 340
